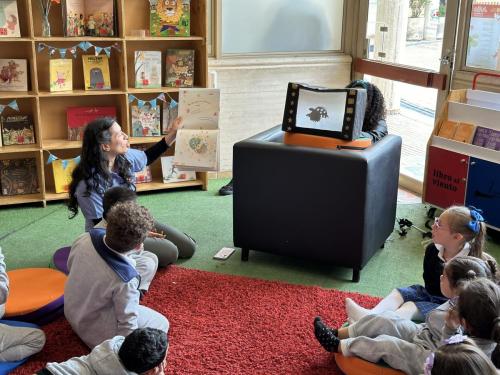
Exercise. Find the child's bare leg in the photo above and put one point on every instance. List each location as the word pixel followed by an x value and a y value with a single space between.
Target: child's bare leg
pixel 390 303
pixel 409 310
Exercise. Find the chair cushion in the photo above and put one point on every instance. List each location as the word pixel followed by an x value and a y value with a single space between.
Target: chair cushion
pixel 60 259
pixel 308 140
pixel 355 366
pixel 32 289
pixel 6 367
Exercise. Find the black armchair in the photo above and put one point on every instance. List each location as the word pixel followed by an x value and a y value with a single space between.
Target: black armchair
pixel 334 206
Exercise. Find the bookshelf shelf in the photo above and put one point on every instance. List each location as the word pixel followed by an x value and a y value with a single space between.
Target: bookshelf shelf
pixel 48 109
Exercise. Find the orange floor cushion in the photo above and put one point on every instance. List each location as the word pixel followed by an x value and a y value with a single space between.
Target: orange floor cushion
pixel 33 288
pixel 356 366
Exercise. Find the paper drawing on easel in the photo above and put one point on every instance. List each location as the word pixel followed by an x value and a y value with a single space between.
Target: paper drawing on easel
pixel 199 108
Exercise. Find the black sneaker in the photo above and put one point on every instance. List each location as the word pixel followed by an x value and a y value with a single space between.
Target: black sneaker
pixel 227 189
pixel 326 336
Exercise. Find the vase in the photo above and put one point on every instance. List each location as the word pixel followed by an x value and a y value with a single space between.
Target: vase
pixel 45 26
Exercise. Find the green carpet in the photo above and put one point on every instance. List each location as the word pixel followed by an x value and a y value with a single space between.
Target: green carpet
pixel 29 235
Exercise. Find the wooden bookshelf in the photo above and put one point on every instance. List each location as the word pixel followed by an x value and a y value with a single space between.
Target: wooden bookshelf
pixel 48 109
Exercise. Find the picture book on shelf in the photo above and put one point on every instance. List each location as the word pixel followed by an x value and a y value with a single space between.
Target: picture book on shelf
pixel 179 68
pixel 197 142
pixel 145 175
pixel 488 138
pixel 18 176
pixel 61 74
pixel 17 130
pixel 458 131
pixel 89 18
pixel 62 170
pixel 145 121
pixel 9 19
pixel 13 75
pixel 168 117
pixel 173 174
pixel 169 18
pixel 96 72
pixel 78 118
pixel 147 69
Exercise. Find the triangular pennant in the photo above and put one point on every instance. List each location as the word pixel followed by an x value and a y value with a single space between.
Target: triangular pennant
pixel 97 50
pixel 64 164
pixel 62 52
pixel 131 98
pixel 13 105
pixel 172 104
pixel 108 51
pixel 140 102
pixel 117 47
pixel 40 47
pixel 51 158
pixel 152 103
pixel 77 159
pixel 72 50
pixel 161 97
pixel 2 107
pixel 52 50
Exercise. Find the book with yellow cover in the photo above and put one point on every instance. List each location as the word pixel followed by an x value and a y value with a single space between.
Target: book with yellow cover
pixel 61 75
pixel 464 133
pixel 447 129
pixel 96 72
pixel 62 170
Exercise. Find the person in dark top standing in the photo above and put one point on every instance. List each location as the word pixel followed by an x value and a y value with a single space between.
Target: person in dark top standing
pixel 459 231
pixel 107 161
pixel 374 124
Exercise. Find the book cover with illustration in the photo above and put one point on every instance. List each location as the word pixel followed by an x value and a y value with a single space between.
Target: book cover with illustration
pixel 179 68
pixel 145 121
pixel 199 108
pixel 78 118
pixel 147 69
pixel 488 138
pixel 17 130
pixel 62 170
pixel 145 175
pixel 464 133
pixel 96 72
pixel 169 18
pixel 197 149
pixel 89 18
pixel 173 174
pixel 168 117
pixel 61 74
pixel 18 176
pixel 13 75
pixel 9 19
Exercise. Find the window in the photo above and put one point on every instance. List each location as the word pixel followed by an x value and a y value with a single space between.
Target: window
pixel 483 46
pixel 263 26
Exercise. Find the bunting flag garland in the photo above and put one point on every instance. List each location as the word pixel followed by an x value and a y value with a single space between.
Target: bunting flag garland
pixel 153 102
pixel 84 46
pixel 12 104
pixel 64 162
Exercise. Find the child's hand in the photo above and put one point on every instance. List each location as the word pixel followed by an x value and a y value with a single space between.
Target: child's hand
pixel 452 319
pixel 156 235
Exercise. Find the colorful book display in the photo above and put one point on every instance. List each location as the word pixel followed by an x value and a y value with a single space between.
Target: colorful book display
pixel 79 117
pixel 145 121
pixel 197 143
pixel 13 75
pixel 62 170
pixel 18 176
pixel 147 69
pixel 61 75
pixel 173 174
pixel 9 19
pixel 89 18
pixel 488 138
pixel 170 18
pixel 179 68
pixel 96 72
pixel 17 130
pixel 169 114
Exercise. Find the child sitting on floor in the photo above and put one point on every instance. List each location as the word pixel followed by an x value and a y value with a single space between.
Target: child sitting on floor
pixel 405 345
pixel 16 343
pixel 144 351
pixel 460 356
pixel 459 231
pixel 101 298
pixel 145 262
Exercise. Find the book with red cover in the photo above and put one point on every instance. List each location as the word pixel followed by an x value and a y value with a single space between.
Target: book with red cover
pixel 18 176
pixel 79 117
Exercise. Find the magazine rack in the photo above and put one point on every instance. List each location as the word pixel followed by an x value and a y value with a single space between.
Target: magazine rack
pixel 48 109
pixel 461 173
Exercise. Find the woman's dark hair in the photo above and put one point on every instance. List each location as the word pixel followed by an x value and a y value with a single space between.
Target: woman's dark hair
pixel 375 104
pixel 143 349
pixel 479 306
pixel 464 358
pixel 93 167
pixel 462 269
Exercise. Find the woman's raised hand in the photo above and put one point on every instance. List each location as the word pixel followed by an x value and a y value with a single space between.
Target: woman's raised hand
pixel 172 131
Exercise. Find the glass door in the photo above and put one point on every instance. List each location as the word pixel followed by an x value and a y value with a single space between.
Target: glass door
pixel 407 50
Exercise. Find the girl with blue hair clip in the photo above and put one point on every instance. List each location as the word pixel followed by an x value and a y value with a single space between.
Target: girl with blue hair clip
pixel 459 231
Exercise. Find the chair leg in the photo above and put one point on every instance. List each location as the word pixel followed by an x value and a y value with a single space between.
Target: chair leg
pixel 244 254
pixel 356 273
pixel 383 245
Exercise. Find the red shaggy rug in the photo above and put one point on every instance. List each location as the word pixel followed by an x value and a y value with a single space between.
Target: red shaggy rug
pixel 221 324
